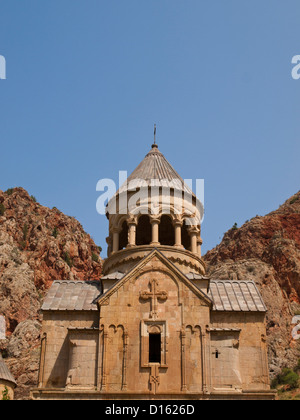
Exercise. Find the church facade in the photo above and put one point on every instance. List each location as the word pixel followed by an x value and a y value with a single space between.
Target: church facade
pixel 154 326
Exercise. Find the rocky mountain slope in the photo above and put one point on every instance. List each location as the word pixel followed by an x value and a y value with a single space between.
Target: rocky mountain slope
pixel 267 250
pixel 37 246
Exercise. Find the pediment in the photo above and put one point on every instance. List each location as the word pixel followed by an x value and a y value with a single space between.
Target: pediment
pixel 144 265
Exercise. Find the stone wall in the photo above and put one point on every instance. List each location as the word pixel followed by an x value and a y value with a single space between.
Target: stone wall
pixel 56 364
pixel 245 352
pixel 179 315
pixel 106 354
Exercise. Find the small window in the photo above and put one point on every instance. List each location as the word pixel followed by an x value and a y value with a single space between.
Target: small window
pixel 154 348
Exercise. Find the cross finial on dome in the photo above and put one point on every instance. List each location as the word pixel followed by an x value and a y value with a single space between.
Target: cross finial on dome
pixel 154 145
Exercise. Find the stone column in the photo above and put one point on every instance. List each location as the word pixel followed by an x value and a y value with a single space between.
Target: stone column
pixel 178 226
pixel 116 238
pixel 199 244
pixel 208 367
pixel 104 378
pixel 183 360
pixel 109 245
pixel 204 362
pixel 193 231
pixel 155 231
pixel 265 367
pixel 42 360
pixel 125 353
pixel 131 233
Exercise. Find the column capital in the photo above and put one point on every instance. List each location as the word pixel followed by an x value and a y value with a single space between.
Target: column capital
pixel 154 219
pixel 132 220
pixel 193 230
pixel 116 230
pixel 177 222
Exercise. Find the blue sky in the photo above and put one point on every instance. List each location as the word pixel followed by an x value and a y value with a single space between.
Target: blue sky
pixel 87 79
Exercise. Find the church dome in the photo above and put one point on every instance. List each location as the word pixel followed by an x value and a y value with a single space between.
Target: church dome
pixel 155 170
pixel 154 208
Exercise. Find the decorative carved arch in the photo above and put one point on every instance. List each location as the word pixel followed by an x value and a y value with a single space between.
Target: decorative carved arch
pixel 195 328
pixel 143 210
pixel 154 329
pixel 120 219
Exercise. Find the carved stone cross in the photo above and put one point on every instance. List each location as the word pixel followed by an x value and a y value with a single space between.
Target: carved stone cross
pixel 154 379
pixel 154 294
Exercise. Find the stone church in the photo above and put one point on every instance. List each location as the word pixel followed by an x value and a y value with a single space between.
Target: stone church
pixel 154 326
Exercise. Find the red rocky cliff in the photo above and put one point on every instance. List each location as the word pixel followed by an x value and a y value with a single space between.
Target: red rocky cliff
pixel 37 246
pixel 267 250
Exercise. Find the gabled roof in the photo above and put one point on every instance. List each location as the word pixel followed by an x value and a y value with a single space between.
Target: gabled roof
pixel 223 295
pixel 105 297
pixel 5 374
pixel 117 275
pixel 236 296
pixel 155 170
pixel 72 296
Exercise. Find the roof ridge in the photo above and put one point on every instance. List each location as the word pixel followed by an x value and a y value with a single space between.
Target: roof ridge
pixel 76 281
pixel 233 281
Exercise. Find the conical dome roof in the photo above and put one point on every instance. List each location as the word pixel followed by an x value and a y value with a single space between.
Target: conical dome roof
pixel 5 373
pixel 156 171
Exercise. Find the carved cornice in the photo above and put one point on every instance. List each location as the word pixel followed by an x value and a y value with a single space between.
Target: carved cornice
pixel 135 254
